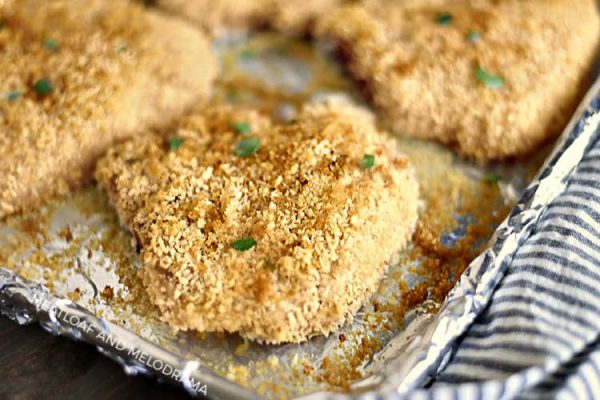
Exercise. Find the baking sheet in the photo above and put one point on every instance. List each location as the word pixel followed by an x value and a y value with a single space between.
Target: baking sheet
pixel 70 266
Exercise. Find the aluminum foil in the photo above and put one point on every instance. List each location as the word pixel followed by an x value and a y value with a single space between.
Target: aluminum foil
pixel 411 359
pixel 412 354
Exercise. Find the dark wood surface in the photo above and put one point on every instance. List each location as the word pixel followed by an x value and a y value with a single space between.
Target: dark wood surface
pixel 36 365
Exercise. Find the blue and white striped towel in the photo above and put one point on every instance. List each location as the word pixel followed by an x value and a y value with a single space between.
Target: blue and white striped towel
pixel 539 337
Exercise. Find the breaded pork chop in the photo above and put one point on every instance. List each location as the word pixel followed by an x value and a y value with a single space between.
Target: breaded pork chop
pixel 290 16
pixel 493 78
pixel 278 232
pixel 78 75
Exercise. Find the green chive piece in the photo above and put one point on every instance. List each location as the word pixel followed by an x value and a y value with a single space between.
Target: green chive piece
pixel 122 47
pixel 247 54
pixel 491 178
pixel 2 24
pixel 13 96
pixel 270 265
pixel 488 79
pixel 175 142
pixel 242 128
pixel 51 45
pixel 281 49
pixel 368 161
pixel 43 87
pixel 231 95
pixel 473 36
pixel 244 244
pixel 444 19
pixel 247 147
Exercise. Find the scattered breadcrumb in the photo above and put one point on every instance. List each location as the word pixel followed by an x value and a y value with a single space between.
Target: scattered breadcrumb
pixel 107 293
pixel 317 229
pixel 79 75
pixel 242 348
pixel 492 78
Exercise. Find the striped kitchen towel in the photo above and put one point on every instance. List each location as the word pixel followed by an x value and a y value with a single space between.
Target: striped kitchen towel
pixel 539 336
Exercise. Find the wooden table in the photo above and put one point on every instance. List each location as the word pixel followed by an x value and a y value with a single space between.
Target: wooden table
pixel 36 365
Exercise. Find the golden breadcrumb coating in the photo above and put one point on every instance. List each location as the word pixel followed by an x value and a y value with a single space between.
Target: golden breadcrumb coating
pixel 324 227
pixel 418 62
pixel 291 16
pixel 114 69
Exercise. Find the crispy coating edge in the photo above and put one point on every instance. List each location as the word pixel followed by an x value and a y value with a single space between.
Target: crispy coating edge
pixel 292 16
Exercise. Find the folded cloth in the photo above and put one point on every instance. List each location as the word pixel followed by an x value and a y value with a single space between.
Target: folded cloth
pixel 539 336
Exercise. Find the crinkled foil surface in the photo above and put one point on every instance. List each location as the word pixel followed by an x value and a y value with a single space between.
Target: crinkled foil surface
pixel 70 267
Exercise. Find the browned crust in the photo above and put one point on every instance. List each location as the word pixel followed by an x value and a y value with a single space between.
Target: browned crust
pixel 325 228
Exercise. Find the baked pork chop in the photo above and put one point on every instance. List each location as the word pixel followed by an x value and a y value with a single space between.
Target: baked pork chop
pixel 492 78
pixel 78 76
pixel 279 232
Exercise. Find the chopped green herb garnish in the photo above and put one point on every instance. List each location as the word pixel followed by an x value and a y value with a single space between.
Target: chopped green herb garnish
pixel 247 147
pixel 473 36
pixel 247 54
pixel 244 244
pixel 270 265
pixel 122 47
pixel 492 178
pixel 231 95
pixel 241 127
pixel 13 96
pixel 51 45
pixel 368 161
pixel 490 80
pixel 43 87
pixel 175 142
pixel 444 19
pixel 2 24
pixel 280 49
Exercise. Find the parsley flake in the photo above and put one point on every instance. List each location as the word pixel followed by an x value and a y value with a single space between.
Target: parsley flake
pixel 51 45
pixel 270 265
pixel 368 161
pixel 488 79
pixel 247 54
pixel 13 96
pixel 241 127
pixel 175 142
pixel 492 178
pixel 473 36
pixel 43 87
pixel 444 19
pixel 243 244
pixel 231 95
pixel 247 147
